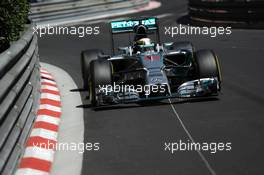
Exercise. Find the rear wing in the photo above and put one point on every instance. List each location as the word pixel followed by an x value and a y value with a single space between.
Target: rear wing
pixel 126 26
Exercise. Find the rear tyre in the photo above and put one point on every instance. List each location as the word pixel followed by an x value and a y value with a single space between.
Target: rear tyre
pixel 86 57
pixel 100 74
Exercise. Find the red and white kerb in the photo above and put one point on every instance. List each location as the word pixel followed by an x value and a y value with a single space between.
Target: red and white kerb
pixel 40 146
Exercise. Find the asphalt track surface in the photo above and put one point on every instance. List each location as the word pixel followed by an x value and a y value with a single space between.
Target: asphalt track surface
pixel 132 137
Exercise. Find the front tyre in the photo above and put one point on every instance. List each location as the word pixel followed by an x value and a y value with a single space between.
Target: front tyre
pixel 207 64
pixel 100 75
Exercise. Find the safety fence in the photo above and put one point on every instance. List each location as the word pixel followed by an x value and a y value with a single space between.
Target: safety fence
pixel 19 96
pixel 229 12
pixel 64 12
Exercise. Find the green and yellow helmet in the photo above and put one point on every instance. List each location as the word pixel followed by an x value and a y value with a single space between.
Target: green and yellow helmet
pixel 144 41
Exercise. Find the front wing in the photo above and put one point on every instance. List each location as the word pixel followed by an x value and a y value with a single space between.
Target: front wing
pixel 204 87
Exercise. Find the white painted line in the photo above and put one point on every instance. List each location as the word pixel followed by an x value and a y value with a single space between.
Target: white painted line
pixel 47 134
pixel 48 119
pixel 191 138
pixel 39 153
pixel 49 87
pixel 29 171
pixel 50 96
pixel 50 107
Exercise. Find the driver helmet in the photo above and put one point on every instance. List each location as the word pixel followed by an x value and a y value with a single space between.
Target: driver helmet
pixel 144 41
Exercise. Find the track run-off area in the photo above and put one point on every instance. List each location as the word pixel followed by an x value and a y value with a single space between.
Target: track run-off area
pixel 133 137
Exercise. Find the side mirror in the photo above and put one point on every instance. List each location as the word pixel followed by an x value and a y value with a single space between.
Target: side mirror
pixel 124 50
pixel 168 46
pixel 105 57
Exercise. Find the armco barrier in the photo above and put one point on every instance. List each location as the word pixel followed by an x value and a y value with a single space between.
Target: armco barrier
pixel 19 96
pixel 244 13
pixel 42 13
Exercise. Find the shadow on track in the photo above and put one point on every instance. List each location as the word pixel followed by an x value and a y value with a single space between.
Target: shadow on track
pixel 78 90
pixel 147 104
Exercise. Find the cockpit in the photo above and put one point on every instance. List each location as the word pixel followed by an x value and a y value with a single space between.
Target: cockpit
pixel 145 48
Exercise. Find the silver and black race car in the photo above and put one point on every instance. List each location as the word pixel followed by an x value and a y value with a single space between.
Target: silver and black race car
pixel 147 69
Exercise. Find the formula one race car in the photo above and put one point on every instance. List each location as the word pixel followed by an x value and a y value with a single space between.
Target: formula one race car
pixel 148 70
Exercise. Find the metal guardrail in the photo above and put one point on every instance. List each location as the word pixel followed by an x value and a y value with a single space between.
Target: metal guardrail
pixel 227 12
pixel 19 96
pixel 48 1
pixel 52 12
